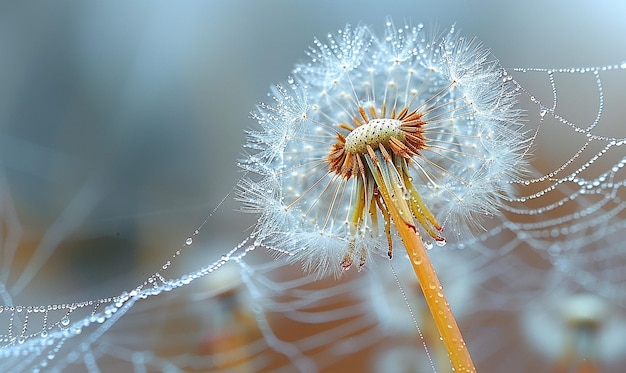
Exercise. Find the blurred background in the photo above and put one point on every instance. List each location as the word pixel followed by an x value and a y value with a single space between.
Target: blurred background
pixel 121 122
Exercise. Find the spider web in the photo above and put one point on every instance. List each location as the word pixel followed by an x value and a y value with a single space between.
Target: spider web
pixel 562 238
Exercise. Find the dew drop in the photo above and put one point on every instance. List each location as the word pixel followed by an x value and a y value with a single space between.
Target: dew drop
pixel 428 245
pixel 189 241
pixel 441 243
pixel 65 321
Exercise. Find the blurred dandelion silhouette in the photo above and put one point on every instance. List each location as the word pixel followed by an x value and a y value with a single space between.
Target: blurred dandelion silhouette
pixel 377 139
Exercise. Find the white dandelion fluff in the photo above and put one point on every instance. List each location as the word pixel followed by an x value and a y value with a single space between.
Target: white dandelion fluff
pixel 432 121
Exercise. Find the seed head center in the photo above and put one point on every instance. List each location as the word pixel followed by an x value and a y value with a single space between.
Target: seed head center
pixel 373 133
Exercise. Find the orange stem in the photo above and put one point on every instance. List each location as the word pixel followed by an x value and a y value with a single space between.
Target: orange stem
pixel 432 289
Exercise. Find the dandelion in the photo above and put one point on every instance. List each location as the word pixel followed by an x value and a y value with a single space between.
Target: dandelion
pixel 379 142
pixel 577 332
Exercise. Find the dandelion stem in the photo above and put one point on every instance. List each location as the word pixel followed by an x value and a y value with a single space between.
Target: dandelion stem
pixel 432 289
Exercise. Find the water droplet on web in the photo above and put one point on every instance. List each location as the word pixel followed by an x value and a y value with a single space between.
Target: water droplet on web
pixel 555 249
pixel 21 340
pixel 65 321
pixel 290 80
pixel 623 65
pixel 189 241
pixel 441 243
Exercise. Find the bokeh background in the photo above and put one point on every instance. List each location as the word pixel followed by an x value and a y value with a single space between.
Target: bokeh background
pixel 121 122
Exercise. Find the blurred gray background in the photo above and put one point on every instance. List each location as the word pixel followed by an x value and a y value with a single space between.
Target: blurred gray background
pixel 121 122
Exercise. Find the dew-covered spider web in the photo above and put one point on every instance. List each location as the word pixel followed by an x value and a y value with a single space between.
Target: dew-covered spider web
pixel 541 289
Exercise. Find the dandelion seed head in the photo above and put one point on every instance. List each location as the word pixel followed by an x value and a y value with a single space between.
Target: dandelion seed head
pixel 427 119
pixel 374 132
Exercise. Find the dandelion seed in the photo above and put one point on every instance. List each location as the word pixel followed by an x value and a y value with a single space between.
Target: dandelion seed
pixel 377 139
